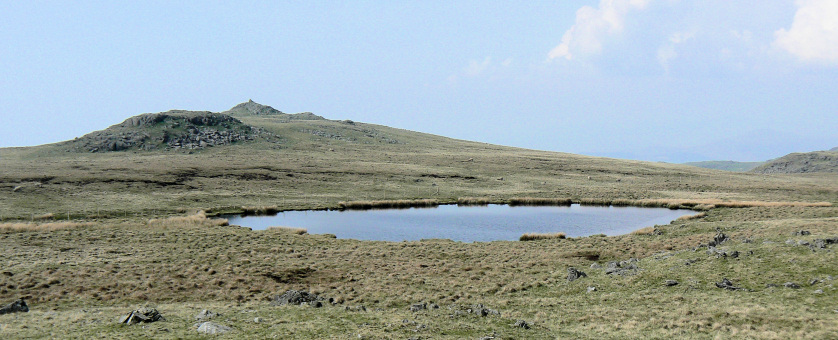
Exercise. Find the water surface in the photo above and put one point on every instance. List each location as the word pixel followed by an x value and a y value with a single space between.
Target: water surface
pixel 466 224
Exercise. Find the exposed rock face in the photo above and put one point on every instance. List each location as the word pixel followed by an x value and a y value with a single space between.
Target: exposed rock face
pixel 726 284
pixel 168 130
pixel 818 161
pixel 295 297
pixel 144 314
pixel 15 307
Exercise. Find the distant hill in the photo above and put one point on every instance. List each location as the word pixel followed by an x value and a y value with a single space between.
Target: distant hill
pixel 727 165
pixel 818 161
pixel 251 108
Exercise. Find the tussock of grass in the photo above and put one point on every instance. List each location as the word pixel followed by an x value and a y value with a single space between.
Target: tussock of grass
pixel 692 217
pixel 644 231
pixel 364 205
pixel 199 219
pixel 43 226
pixel 520 201
pixel 542 236
pixel 44 217
pixel 293 230
pixel 700 205
pixel 260 210
pixel 474 201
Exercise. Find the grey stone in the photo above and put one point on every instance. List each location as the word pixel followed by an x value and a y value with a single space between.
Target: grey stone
pixel 418 306
pixel 819 291
pixel 213 328
pixel 17 306
pixel 206 315
pixel 801 233
pixel 295 297
pixel 726 284
pixel 521 323
pixel 591 289
pixel 574 274
pixel 670 283
pixel 144 314
pixel 258 320
pixel 791 285
pixel 595 265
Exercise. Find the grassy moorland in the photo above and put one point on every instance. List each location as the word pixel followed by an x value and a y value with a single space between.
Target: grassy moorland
pixel 135 238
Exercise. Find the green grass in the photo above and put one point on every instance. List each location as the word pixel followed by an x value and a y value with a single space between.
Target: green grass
pixel 136 236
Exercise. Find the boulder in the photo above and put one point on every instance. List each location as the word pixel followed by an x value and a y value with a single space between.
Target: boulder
pixel 670 283
pixel 574 274
pixel 726 284
pixel 521 323
pixel 295 297
pixel 15 307
pixel 144 314
pixel 418 306
pixel 206 315
pixel 213 328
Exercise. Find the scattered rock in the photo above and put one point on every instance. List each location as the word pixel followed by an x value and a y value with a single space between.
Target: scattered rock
pixel 521 323
pixel 295 297
pixel 206 315
pixel 801 233
pixel 15 307
pixel 258 320
pixel 481 310
pixel 358 308
pixel 726 284
pixel 819 291
pixel 144 314
pixel 573 274
pixel 591 289
pixel 791 285
pixel 213 328
pixel 622 268
pixel 718 239
pixel 418 306
pixel 771 285
pixel 433 306
pixel 822 243
pixel 595 265
pixel 670 283
pixel 316 304
pixel 812 282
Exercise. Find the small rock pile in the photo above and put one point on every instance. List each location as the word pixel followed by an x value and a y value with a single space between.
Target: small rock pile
pixel 296 298
pixel 15 307
pixel 144 314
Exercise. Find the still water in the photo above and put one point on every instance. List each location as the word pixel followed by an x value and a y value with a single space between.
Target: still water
pixel 466 224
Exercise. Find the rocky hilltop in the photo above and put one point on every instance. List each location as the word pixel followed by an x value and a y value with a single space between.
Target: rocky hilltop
pixel 251 108
pixel 175 129
pixel 818 161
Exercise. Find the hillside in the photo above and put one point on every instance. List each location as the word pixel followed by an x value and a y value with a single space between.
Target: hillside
pixel 89 235
pixel 726 165
pixel 809 162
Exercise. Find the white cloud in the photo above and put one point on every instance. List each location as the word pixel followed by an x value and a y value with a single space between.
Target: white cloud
pixel 667 52
pixel 813 36
pixel 475 68
pixel 593 25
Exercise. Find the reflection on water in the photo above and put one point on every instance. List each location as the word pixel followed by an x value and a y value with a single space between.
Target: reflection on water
pixel 466 224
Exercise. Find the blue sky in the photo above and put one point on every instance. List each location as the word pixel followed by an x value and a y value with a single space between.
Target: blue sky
pixel 660 80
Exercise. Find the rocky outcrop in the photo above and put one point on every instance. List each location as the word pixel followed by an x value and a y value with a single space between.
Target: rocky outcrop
pixel 573 274
pixel 168 130
pixel 144 314
pixel 295 297
pixel 15 307
pixel 818 161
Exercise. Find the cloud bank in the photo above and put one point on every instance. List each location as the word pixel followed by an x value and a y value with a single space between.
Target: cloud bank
pixel 593 25
pixel 813 36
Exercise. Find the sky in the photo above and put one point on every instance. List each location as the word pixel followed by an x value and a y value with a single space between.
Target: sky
pixel 655 80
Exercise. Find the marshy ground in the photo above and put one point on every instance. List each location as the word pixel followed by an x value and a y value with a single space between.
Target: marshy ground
pixel 134 238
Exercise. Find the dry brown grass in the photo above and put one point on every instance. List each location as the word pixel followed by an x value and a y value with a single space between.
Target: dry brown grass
pixel 293 230
pixel 388 204
pixel 692 217
pixel 520 201
pixel 475 201
pixel 696 204
pixel 644 231
pixel 260 210
pixel 542 236
pixel 43 226
pixel 198 219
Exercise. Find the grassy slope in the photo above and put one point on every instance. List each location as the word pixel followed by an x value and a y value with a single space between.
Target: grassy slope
pixel 727 165
pixel 817 161
pixel 90 274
